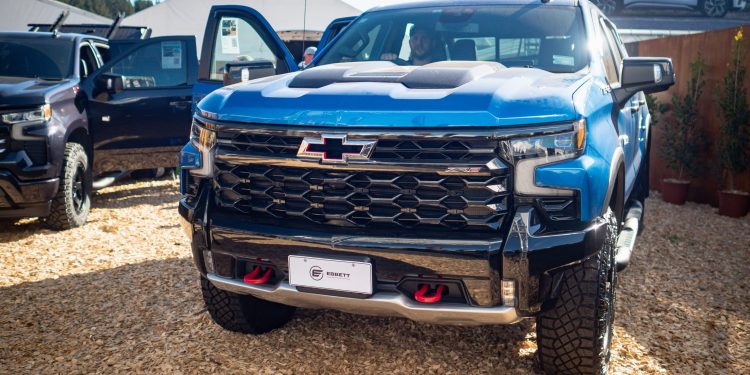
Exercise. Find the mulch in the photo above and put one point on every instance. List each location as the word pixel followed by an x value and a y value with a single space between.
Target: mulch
pixel 120 295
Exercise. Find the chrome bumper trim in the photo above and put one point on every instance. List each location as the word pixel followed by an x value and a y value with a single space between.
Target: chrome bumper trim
pixel 379 304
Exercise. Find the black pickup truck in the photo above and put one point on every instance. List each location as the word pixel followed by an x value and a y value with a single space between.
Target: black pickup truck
pixel 74 112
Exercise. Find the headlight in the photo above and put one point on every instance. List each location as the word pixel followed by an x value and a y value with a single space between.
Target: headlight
pixel 196 156
pixel 551 147
pixel 531 152
pixel 201 136
pixel 43 113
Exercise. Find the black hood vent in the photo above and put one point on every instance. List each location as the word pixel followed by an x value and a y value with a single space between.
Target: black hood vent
pixel 439 75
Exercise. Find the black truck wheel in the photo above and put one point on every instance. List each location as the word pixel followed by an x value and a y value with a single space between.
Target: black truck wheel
pixel 714 8
pixel 574 335
pixel 241 313
pixel 70 208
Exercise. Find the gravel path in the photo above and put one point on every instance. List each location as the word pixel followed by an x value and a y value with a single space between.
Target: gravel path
pixel 121 295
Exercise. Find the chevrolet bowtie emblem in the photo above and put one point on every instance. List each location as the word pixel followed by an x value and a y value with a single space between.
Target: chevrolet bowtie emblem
pixel 335 148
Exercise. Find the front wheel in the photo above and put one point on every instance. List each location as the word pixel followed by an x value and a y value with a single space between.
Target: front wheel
pixel 714 8
pixel 574 335
pixel 243 313
pixel 70 208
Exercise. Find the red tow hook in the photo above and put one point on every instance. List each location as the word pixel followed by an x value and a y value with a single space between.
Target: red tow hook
pixel 420 294
pixel 252 277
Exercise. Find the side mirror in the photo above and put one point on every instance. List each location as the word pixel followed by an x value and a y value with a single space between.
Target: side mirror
pixel 647 74
pixel 247 70
pixel 111 83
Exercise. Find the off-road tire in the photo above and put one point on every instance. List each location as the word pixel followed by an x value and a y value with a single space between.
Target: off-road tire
pixel 70 207
pixel 574 335
pixel 242 313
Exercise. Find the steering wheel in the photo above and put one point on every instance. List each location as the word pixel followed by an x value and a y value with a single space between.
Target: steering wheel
pixel 400 61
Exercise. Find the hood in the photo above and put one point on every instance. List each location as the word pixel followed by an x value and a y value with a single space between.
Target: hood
pixel 22 91
pixel 382 94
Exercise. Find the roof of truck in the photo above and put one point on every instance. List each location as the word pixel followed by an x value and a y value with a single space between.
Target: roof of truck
pixel 42 35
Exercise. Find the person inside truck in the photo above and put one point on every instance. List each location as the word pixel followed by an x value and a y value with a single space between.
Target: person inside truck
pixel 422 45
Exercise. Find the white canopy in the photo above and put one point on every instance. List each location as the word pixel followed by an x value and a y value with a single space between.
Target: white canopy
pixel 188 17
pixel 15 15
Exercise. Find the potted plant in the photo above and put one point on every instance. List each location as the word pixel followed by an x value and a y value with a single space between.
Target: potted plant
pixel 733 137
pixel 683 139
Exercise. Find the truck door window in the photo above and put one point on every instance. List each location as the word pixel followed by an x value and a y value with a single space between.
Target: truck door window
pixel 236 40
pixel 155 65
pixel 103 50
pixel 611 64
pixel 87 63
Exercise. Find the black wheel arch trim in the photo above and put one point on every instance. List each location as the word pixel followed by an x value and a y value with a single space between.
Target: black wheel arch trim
pixel 616 181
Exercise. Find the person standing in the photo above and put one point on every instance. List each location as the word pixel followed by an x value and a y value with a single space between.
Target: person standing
pixel 309 54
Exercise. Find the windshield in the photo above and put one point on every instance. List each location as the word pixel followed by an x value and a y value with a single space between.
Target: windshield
pixel 36 57
pixel 545 37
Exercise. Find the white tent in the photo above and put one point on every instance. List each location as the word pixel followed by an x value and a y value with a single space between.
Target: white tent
pixel 15 15
pixel 188 17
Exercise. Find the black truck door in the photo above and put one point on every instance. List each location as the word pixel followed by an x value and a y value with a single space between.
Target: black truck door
pixel 139 105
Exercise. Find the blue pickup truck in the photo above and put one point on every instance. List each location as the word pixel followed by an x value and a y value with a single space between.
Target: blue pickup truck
pixel 473 163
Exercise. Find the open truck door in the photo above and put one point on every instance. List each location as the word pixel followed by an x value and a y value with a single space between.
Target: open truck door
pixel 239 45
pixel 333 30
pixel 139 105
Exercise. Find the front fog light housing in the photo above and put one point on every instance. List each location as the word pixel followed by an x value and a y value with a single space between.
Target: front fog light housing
pixel 531 152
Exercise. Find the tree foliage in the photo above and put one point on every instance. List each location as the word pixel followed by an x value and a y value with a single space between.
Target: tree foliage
pixel 140 5
pixel 683 137
pixel 734 138
pixel 106 8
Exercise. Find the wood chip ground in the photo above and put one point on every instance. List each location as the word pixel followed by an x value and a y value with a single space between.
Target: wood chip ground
pixel 120 295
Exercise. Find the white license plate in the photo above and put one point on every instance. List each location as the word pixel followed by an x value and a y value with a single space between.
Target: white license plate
pixel 330 274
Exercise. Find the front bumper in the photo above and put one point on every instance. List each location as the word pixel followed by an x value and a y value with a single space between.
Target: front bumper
pixel 382 303
pixel 25 198
pixel 524 256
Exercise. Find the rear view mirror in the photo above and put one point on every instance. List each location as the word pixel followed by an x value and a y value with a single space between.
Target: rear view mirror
pixel 111 83
pixel 247 71
pixel 647 74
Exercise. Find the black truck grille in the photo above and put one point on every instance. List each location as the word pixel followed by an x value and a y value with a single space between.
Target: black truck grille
pixel 416 180
pixel 364 198
pixel 387 150
pixel 4 139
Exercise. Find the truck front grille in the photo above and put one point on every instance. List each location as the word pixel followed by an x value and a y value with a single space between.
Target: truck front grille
pixel 4 139
pixel 387 150
pixel 410 183
pixel 364 199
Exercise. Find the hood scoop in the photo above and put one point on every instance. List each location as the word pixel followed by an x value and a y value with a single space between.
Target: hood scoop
pixel 439 75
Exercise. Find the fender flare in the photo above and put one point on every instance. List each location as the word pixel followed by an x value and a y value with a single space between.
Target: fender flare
pixel 616 173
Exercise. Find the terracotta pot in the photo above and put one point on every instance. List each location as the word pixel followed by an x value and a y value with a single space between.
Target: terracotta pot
pixel 733 203
pixel 674 191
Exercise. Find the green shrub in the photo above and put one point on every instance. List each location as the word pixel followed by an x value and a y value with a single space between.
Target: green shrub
pixel 733 137
pixel 683 137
